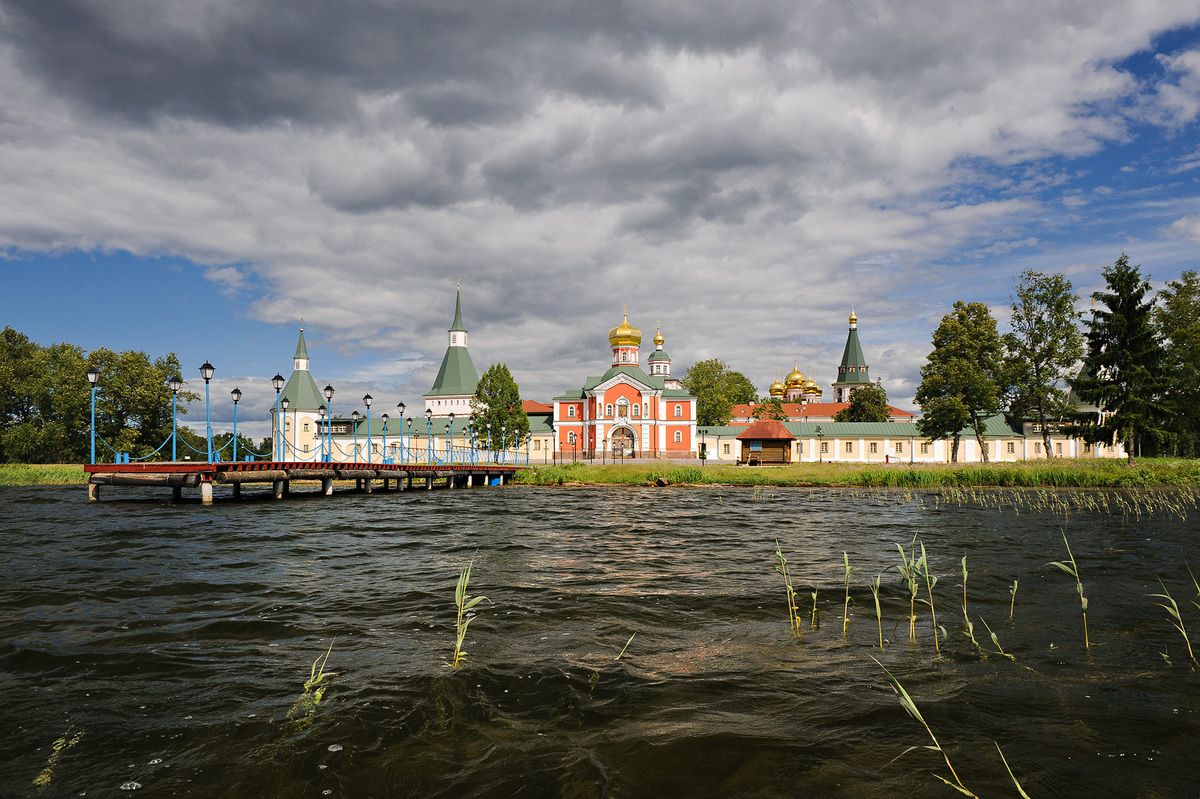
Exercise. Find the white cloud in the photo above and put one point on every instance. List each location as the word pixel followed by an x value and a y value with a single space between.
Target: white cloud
pixel 1188 226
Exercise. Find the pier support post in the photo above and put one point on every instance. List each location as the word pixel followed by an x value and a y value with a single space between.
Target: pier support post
pixel 409 487
pixel 429 483
pixel 470 480
pixel 277 488
pixel 327 486
pixel 287 487
pixel 206 493
pixel 176 493
pixel 93 492
pixel 385 485
pixel 367 485
pixel 237 490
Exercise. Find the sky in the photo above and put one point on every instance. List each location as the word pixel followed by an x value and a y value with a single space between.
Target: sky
pixel 198 176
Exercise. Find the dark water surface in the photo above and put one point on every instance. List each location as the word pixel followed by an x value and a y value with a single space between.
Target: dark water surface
pixel 177 638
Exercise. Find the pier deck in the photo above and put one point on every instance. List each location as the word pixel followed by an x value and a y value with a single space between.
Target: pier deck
pixel 178 475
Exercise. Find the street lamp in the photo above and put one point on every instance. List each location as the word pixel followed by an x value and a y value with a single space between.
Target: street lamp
pixel 448 456
pixel 820 445
pixel 237 395
pixel 450 437
pixel 503 443
pixel 385 421
pixel 400 409
pixel 206 371
pixel 277 381
pixel 489 441
pixel 283 403
pixel 471 438
pixel 321 429
pixel 408 435
pixel 367 402
pixel 175 384
pixel 704 450
pixel 428 436
pixel 329 401
pixel 93 375
pixel 354 417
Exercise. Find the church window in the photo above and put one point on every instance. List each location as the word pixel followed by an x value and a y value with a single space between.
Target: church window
pixel 636 411
pixel 678 411
pixel 899 447
pixel 849 446
pixel 725 448
pixel 1058 448
pixel 608 409
pixel 874 448
pixel 924 449
pixel 306 427
pixel 1037 448
pixel 1012 448
pixel 570 438
pixel 623 357
pixel 678 436
pixel 825 446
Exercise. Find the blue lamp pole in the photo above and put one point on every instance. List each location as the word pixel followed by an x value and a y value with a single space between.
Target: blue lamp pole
pixel 321 429
pixel 448 458
pixel 206 371
pixel 237 395
pixel 329 427
pixel 175 383
pixel 277 382
pixel 400 423
pixel 354 418
pixel 471 438
pixel 408 435
pixel 450 439
pixel 367 402
pixel 428 436
pixel 502 443
pixel 283 450
pixel 93 374
pixel 385 424
pixel 489 442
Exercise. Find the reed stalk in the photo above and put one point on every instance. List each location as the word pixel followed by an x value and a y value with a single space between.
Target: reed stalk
pixel 968 626
pixel 463 602
pixel 1176 620
pixel 1072 568
pixel 314 689
pixel 793 610
pixel 846 606
pixel 995 640
pixel 622 652
pixel 878 610
pixel 60 745
pixel 1011 776
pixel 930 582
pixel 1012 603
pixel 1194 583
pixel 910 574
pixel 910 707
pixel 813 622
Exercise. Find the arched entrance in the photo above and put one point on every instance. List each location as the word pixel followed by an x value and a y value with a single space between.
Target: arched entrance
pixel 622 443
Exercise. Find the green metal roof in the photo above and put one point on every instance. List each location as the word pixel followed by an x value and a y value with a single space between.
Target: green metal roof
pixel 301 390
pixel 301 348
pixel 852 356
pixel 655 382
pixel 994 427
pixel 457 325
pixel 658 355
pixel 457 375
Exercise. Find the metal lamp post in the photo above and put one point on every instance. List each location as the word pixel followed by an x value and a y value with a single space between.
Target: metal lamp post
pixel 400 410
pixel 489 442
pixel 321 430
pixel 175 383
pixel 428 435
pixel 820 445
pixel 206 371
pixel 93 375
pixel 237 396
pixel 385 421
pixel 329 401
pixel 367 402
pixel 277 381
pixel 471 438
pixel 450 438
pixel 283 403
pixel 448 458
pixel 408 436
pixel 503 443
pixel 354 417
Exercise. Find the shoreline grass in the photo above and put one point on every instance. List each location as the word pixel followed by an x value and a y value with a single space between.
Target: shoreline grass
pixel 41 474
pixel 1057 473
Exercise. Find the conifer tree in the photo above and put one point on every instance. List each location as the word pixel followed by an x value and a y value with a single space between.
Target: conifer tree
pixel 498 400
pixel 1122 371
pixel 1177 318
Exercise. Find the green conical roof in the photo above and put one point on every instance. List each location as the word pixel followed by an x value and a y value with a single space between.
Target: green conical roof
pixel 457 325
pixel 301 347
pixel 457 375
pixel 302 392
pixel 853 368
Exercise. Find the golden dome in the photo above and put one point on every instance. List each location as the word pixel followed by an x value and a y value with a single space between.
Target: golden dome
pixel 658 337
pixel 795 378
pixel 778 389
pixel 853 317
pixel 811 387
pixel 625 334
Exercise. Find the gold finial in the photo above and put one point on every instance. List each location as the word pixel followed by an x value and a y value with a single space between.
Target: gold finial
pixel 458 282
pixel 853 316
pixel 658 337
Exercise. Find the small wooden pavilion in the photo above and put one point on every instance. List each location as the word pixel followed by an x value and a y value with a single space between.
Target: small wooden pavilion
pixel 766 441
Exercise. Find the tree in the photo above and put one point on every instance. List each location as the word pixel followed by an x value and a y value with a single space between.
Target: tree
pixel 1122 371
pixel 867 404
pixel 770 408
pixel 497 401
pixel 717 389
pixel 1177 319
pixel 963 377
pixel 1042 349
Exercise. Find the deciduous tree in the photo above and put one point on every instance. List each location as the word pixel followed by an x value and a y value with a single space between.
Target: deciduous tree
pixel 717 389
pixel 867 404
pixel 1177 319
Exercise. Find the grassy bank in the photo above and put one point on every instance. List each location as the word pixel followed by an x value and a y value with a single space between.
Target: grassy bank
pixel 36 474
pixel 1146 473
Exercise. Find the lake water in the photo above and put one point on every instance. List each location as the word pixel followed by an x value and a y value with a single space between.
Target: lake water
pixel 177 640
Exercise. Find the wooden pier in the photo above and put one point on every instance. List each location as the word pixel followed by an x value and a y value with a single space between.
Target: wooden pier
pixel 367 477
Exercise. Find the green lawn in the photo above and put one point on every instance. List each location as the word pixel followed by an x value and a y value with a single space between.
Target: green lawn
pixel 1059 473
pixel 35 474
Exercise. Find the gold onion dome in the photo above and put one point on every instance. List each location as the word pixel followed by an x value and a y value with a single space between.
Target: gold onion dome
pixel 778 388
pixel 811 387
pixel 795 377
pixel 625 334
pixel 659 340
pixel 853 317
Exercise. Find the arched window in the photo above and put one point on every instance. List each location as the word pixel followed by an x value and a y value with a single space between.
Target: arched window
pixel 678 411
pixel 571 411
pixel 623 357
pixel 608 409
pixel 678 436
pixel 636 411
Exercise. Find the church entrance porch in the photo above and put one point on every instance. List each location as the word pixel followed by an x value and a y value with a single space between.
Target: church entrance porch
pixel 622 443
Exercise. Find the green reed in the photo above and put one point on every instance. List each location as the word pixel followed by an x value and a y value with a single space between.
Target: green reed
pixel 1195 584
pixel 995 640
pixel 910 574
pixel 463 602
pixel 1072 568
pixel 1012 603
pixel 813 622
pixel 930 581
pixel 1176 620
pixel 910 707
pixel 314 688
pixel 624 648
pixel 846 570
pixel 793 610
pixel 878 611
pixel 1011 776
pixel 60 745
pixel 968 626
